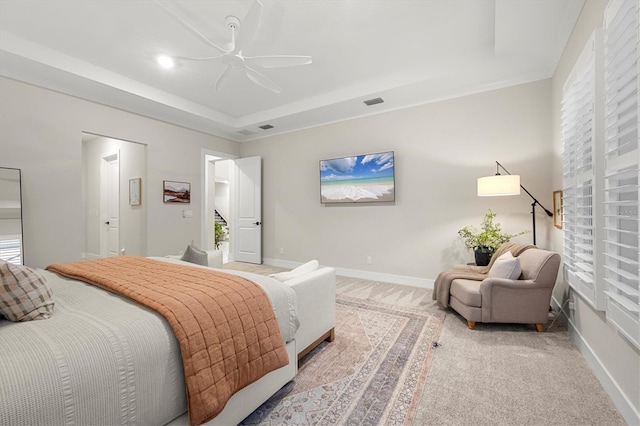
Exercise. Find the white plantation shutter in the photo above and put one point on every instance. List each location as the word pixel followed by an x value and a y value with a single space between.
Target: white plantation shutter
pixel 621 162
pixel 582 138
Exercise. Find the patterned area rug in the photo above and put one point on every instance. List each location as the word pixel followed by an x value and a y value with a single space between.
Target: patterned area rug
pixel 372 374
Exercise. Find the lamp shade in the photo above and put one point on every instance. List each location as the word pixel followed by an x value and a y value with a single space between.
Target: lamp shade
pixel 498 185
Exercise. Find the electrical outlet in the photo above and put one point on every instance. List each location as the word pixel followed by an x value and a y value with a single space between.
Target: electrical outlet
pixel 369 260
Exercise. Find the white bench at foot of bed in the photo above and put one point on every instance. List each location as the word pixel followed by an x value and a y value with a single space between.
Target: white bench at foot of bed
pixel 316 293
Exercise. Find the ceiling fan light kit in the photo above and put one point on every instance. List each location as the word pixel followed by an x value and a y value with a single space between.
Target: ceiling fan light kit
pixel 165 61
pixel 231 55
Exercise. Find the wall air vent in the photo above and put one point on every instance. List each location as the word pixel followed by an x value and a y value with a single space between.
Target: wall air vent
pixel 374 101
pixel 266 127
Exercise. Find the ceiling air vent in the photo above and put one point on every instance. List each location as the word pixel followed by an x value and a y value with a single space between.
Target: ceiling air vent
pixel 374 101
pixel 266 126
pixel 245 132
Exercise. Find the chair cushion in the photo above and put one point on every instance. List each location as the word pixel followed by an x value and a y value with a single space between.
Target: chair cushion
pixel 467 291
pixel 506 266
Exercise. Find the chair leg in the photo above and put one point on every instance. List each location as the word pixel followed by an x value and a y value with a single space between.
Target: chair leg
pixel 471 324
pixel 539 328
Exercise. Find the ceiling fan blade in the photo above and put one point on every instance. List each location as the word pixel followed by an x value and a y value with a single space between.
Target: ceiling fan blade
pixel 193 30
pixel 278 61
pixel 248 26
pixel 261 80
pixel 193 58
pixel 223 78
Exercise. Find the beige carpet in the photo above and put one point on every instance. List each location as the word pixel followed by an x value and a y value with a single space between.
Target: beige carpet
pixel 498 374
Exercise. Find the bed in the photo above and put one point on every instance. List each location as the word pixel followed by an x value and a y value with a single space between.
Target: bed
pixel 104 359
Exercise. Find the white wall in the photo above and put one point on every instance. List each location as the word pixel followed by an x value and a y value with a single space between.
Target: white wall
pixel 440 151
pixel 613 358
pixel 41 133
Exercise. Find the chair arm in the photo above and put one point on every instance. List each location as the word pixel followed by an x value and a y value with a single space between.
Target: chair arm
pixel 516 301
pixel 507 283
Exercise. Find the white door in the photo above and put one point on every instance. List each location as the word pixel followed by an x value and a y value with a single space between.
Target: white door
pixel 247 235
pixel 110 206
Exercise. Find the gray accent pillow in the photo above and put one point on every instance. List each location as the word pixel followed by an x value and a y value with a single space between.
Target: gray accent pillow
pixel 194 255
pixel 24 293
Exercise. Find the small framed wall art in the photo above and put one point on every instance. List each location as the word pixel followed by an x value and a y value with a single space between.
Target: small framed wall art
pixel 176 192
pixel 557 209
pixel 135 192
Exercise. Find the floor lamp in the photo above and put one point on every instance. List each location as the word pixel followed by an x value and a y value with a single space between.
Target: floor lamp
pixel 508 184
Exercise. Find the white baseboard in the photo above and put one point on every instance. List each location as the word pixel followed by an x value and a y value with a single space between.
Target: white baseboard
pixel 365 275
pixel 620 400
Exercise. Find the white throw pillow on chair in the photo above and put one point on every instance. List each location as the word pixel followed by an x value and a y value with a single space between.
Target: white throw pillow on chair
pixel 506 266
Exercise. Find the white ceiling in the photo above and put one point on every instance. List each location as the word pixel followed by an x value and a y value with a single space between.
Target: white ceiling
pixel 407 52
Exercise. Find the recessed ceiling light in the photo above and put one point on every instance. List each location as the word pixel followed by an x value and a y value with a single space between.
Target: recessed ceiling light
pixel 165 61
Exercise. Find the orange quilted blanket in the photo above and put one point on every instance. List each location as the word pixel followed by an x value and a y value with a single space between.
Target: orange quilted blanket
pixel 226 327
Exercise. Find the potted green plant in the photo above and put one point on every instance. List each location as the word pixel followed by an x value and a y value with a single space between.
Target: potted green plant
pixel 485 241
pixel 220 232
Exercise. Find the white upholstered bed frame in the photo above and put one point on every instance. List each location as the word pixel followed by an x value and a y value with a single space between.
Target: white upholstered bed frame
pixel 316 293
pixel 105 359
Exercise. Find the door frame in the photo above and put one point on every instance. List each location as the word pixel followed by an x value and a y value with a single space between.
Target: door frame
pixel 207 156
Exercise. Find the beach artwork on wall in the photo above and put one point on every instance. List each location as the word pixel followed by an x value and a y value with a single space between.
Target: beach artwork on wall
pixel 176 192
pixel 358 179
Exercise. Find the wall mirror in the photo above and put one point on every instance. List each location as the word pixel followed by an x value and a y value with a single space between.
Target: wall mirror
pixel 11 216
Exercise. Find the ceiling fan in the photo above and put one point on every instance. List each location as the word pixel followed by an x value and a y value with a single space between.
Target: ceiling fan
pixel 231 53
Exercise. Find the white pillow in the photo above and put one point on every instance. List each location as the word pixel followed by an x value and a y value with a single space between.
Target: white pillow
pixel 303 269
pixel 506 266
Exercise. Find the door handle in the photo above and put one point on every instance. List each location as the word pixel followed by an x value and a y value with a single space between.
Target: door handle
pixel 257 223
pixel 106 223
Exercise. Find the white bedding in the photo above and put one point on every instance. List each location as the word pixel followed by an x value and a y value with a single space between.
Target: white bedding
pixel 100 359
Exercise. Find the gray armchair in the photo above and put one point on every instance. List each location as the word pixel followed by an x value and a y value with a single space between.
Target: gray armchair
pixel 524 301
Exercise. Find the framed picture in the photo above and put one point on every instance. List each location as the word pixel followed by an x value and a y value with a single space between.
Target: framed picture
pixel 176 192
pixel 557 209
pixel 135 192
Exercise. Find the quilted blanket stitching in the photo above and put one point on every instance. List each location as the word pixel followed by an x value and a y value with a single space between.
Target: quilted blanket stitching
pixel 229 336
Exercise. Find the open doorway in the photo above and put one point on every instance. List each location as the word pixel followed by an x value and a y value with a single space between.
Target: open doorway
pixel 218 205
pixel 237 183
pixel 113 225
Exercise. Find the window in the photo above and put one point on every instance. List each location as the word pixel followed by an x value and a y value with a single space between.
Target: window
pixel 582 132
pixel 621 164
pixel 601 163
